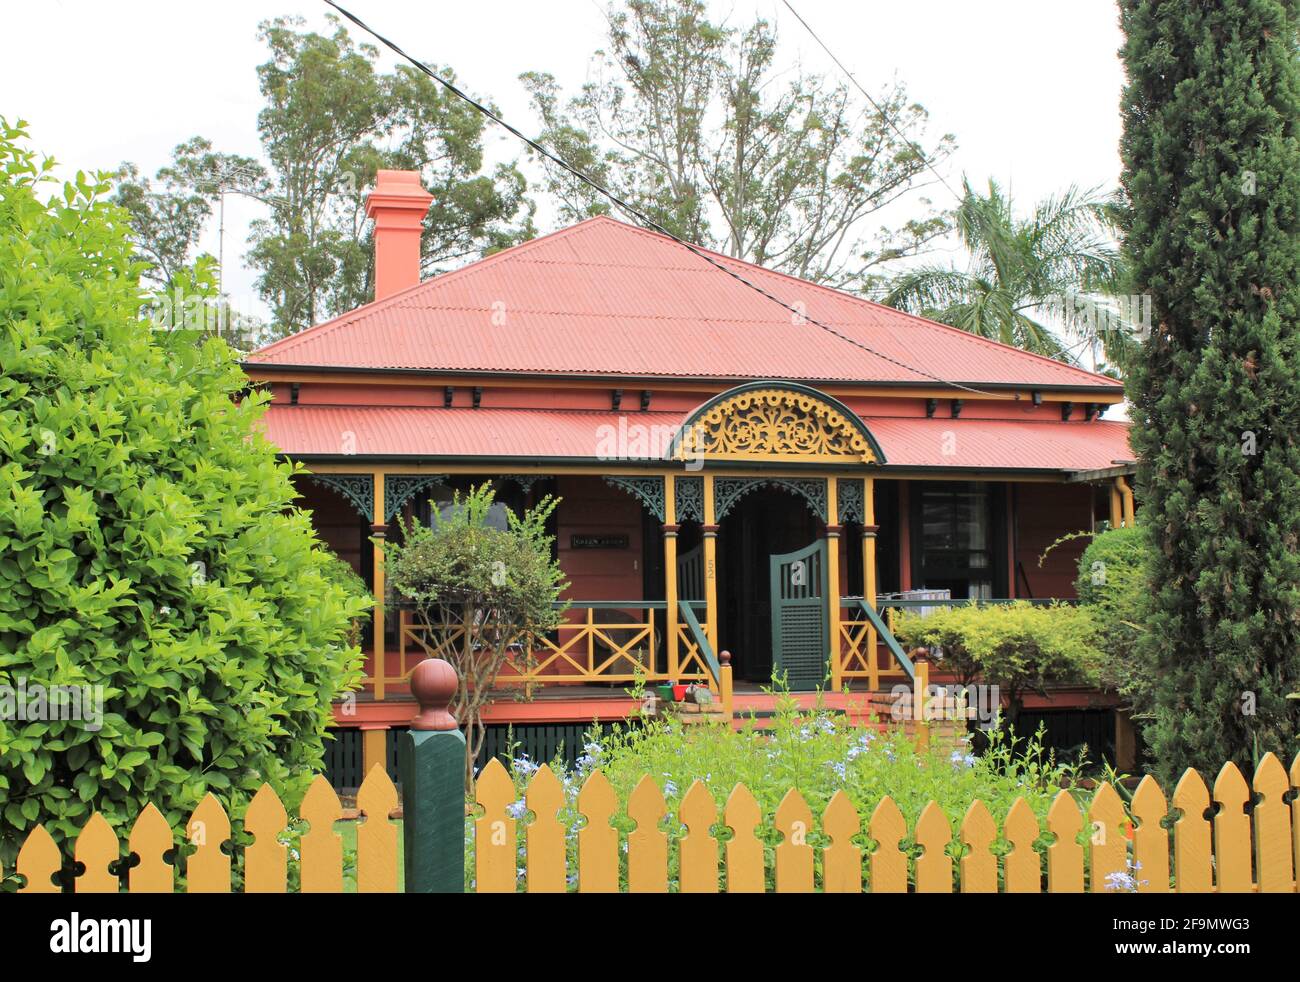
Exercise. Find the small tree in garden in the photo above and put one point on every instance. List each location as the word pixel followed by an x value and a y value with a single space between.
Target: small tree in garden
pixel 151 559
pixel 481 591
pixel 1019 647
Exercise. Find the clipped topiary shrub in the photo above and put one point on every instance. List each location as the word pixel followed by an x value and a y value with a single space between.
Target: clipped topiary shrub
pixel 1018 647
pixel 157 587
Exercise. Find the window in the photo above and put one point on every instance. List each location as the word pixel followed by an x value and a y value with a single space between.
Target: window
pixel 955 539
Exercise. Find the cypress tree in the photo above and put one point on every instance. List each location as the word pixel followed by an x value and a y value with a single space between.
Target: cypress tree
pixel 1212 177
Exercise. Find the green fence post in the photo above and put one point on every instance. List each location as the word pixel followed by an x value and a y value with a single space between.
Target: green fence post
pixel 431 764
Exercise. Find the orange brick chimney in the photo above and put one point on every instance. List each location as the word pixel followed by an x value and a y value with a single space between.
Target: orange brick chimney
pixel 398 205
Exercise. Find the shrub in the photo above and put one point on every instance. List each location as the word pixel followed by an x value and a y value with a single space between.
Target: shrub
pixel 148 543
pixel 481 591
pixel 1018 646
pixel 817 753
pixel 1115 584
pixel 340 572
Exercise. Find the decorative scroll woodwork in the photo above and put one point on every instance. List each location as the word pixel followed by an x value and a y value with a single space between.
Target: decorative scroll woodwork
pixel 401 488
pixel 776 424
pixel 358 489
pixel 648 490
pixel 729 490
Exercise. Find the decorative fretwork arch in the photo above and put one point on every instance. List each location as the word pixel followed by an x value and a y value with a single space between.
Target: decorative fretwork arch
pixel 647 490
pixel 780 422
pixel 729 490
pixel 401 488
pixel 357 489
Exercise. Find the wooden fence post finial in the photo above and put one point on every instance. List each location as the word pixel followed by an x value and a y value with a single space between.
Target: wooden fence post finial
pixel 921 695
pixel 433 684
pixel 726 686
pixel 431 764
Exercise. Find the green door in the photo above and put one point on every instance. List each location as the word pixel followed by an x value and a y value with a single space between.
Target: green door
pixel 799 616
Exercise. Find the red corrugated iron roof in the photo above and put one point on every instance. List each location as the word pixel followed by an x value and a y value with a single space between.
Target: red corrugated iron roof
pixel 606 298
pixel 416 432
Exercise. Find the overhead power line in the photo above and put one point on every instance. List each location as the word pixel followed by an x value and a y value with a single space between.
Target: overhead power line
pixel 635 213
pixel 875 105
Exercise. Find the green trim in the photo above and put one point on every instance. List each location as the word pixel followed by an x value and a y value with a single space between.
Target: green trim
pixel 647 490
pixel 891 642
pixel 697 634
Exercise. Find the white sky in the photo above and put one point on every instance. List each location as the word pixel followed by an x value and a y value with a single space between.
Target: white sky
pixel 1030 88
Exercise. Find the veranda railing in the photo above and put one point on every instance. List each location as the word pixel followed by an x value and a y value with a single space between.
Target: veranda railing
pixel 602 641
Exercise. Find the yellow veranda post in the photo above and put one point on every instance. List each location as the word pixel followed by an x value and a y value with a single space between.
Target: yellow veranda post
pixel 869 573
pixel 833 577
pixel 670 570
pixel 710 562
pixel 378 529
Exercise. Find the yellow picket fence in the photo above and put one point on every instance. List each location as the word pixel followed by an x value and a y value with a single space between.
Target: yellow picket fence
pixel 1217 842
pixel 1234 851
pixel 208 868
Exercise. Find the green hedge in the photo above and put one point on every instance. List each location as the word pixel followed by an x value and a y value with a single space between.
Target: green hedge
pixel 148 543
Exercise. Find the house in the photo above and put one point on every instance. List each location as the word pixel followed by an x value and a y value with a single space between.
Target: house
pixel 733 476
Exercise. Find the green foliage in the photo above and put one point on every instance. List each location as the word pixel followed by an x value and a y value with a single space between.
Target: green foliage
pixel 818 753
pixel 1211 154
pixel 341 574
pixel 1115 584
pixel 696 123
pixel 1059 263
pixel 1017 646
pixel 483 591
pixel 331 120
pixel 148 543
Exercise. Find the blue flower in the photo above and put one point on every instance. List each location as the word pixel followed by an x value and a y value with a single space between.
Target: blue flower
pixel 517 809
pixel 523 765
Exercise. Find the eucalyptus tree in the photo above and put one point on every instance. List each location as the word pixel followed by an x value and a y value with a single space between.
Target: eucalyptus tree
pixel 697 125
pixel 331 120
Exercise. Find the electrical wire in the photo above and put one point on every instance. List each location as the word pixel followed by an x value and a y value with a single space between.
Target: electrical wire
pixel 635 213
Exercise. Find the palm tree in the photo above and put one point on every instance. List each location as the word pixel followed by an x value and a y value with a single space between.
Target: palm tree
pixel 1043 283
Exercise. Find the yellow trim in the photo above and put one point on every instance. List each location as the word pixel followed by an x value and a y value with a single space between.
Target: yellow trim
pixel 601 468
pixel 670 571
pixel 711 565
pixel 869 575
pixel 1126 501
pixel 833 579
pixel 377 615
pixel 773 424
pixel 374 749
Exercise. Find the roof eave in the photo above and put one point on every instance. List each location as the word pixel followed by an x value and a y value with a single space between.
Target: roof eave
pixel 273 368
